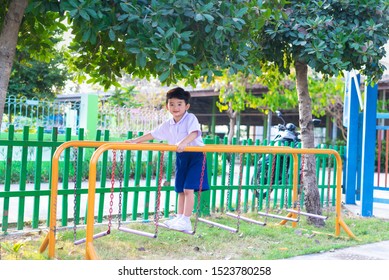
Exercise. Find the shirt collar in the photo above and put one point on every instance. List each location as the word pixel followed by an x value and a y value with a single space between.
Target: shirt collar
pixel 172 122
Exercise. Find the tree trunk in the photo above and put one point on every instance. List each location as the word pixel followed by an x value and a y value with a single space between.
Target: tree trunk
pixel 309 181
pixel 8 41
pixel 232 115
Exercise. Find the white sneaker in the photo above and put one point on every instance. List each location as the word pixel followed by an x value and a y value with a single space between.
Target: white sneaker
pixel 182 225
pixel 170 222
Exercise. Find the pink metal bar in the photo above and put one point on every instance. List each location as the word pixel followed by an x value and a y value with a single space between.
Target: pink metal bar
pixel 379 144
pixel 138 232
pixel 246 219
pixel 386 158
pixel 278 217
pixel 307 214
pixel 234 230
pixel 97 235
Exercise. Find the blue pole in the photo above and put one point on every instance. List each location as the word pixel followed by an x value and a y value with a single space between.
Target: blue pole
pixel 352 140
pixel 368 149
pixel 359 157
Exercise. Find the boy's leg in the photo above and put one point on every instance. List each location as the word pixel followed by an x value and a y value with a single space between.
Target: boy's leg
pixel 180 210
pixel 181 203
pixel 186 203
pixel 189 202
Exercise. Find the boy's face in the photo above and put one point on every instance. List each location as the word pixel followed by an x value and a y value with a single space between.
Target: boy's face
pixel 177 108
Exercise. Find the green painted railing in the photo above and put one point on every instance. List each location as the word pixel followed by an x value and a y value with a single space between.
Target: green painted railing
pixel 25 164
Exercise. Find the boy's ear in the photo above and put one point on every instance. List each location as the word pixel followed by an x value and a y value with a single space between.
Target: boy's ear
pixel 187 106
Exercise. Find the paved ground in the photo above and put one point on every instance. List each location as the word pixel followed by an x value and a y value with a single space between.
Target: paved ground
pixel 374 251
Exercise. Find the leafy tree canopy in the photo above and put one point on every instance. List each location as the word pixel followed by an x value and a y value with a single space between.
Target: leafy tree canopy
pixel 34 78
pixel 173 40
pixel 329 36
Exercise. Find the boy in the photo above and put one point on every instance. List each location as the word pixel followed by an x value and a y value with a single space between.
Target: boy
pixel 182 130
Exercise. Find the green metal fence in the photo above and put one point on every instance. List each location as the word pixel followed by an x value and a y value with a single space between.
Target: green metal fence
pixel 25 165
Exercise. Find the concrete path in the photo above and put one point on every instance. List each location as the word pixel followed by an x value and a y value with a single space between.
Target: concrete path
pixel 374 251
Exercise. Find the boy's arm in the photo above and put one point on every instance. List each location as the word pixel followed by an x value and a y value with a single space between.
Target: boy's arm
pixel 143 138
pixel 184 142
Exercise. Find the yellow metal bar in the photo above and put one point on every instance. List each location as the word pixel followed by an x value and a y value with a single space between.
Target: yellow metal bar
pixel 50 238
pixel 90 254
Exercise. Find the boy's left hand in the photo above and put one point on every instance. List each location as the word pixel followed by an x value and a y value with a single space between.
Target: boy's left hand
pixel 181 147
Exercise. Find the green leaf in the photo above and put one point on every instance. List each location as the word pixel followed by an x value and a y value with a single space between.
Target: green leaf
pixel 73 3
pixel 170 32
pixel 173 60
pixel 123 17
pixel 160 30
pixel 175 44
pixel 199 17
pixel 73 13
pixel 209 17
pixel 17 246
pixel 86 35
pixel 241 12
pixel 112 35
pixel 141 59
pixel 163 77
pixel 84 15
pixel 182 53
pixel 134 50
pixel 125 7
pixel 91 12
pixel 186 35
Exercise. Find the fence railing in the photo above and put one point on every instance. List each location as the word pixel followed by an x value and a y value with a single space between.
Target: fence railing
pixel 25 164
pixel 20 111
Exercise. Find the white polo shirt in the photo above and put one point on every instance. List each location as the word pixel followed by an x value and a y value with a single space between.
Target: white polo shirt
pixel 173 132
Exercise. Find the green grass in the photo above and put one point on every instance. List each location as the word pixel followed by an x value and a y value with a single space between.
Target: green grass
pixel 268 242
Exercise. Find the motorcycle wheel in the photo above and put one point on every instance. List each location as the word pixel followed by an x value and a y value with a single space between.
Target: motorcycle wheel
pixel 256 181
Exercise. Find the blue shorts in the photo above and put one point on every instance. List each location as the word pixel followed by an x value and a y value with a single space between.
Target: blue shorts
pixel 188 172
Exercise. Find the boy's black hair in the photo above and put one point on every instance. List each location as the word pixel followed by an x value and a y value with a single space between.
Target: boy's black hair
pixel 178 93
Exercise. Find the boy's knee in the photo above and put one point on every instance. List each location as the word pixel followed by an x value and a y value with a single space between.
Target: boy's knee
pixel 188 191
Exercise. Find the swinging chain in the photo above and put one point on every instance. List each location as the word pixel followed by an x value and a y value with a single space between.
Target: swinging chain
pixel 75 154
pixel 270 186
pixel 120 170
pixel 158 198
pixel 199 193
pixel 286 183
pixel 298 202
pixel 112 189
pixel 240 189
pixel 329 185
pixel 229 185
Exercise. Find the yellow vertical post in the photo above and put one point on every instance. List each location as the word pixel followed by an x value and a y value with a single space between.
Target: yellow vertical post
pixel 49 240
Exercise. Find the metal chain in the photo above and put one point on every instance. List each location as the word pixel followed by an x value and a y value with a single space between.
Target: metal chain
pixel 121 175
pixel 301 186
pixel 229 184
pixel 240 190
pixel 199 192
pixel 270 186
pixel 158 198
pixel 75 154
pixel 112 189
pixel 286 182
pixel 328 186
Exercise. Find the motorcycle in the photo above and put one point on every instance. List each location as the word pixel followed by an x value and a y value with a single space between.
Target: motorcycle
pixel 287 135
